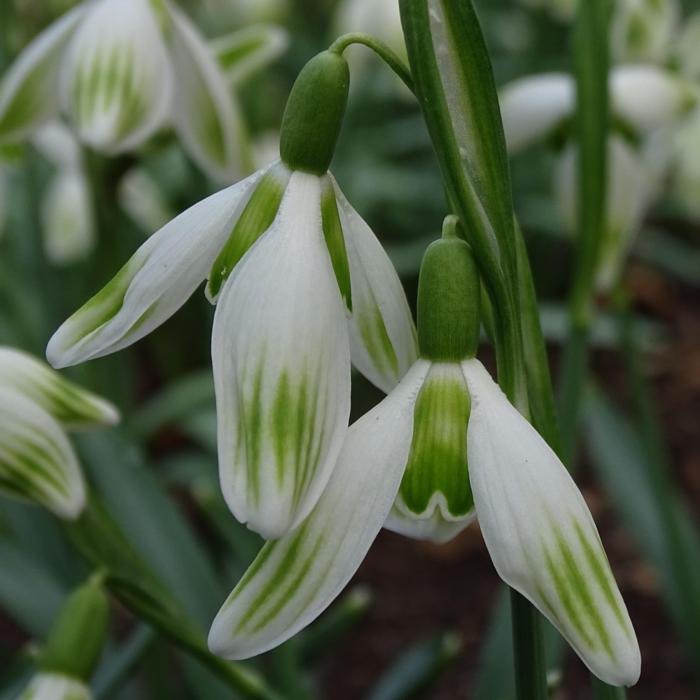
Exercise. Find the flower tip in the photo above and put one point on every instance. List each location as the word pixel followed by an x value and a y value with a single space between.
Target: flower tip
pixel 222 644
pixel 73 506
pixel 56 355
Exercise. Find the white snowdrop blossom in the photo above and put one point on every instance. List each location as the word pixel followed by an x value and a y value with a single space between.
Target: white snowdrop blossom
pixel 120 70
pixel 444 446
pixel 37 407
pixel 301 287
pixel 642 30
pixel 55 686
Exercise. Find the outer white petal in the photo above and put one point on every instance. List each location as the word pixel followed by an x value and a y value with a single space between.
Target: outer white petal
pixel 294 579
pixel 55 686
pixel 67 218
pixel 37 463
pixel 67 402
pixel 642 30
pixel 28 92
pixel 57 143
pixel 383 341
pixel 154 283
pixel 281 369
pixel 540 533
pixel 205 113
pixel 532 107
pixel 117 82
pixel 648 97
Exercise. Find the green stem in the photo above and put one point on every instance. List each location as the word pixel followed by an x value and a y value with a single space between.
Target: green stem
pixel 603 691
pixel 530 675
pixel 380 48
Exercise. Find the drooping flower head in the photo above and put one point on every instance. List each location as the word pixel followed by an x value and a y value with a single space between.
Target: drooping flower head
pixel 110 66
pixel 444 445
pixel 37 407
pixel 301 286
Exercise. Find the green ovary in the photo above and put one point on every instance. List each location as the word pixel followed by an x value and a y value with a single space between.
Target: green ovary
pixel 437 464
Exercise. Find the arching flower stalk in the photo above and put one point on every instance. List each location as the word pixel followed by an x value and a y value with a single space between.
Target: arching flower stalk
pixel 120 70
pixel 301 286
pixel 37 408
pixel 443 446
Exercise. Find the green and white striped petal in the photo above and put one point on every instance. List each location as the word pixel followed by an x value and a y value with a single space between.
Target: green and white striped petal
pixel 37 463
pixel 29 92
pixel 533 107
pixel 647 97
pixel 205 112
pixel 248 50
pixel 540 533
pixel 67 402
pixel 67 221
pixel 117 83
pixel 281 368
pixel 154 283
pixel 383 342
pixel 55 686
pixel 294 579
pixel 435 500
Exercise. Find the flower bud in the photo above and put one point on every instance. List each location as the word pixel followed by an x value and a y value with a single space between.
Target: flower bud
pixel 75 641
pixel 314 113
pixel 448 299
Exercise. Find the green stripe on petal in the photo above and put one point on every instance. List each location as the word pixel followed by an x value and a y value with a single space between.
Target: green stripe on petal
pixel 281 368
pixel 255 219
pixel 295 578
pixel 540 533
pixel 118 82
pixel 333 233
pixel 37 462
pixel 154 283
pixel 65 401
pixel 29 92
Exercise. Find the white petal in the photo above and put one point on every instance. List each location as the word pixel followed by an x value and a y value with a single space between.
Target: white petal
pixel 383 341
pixel 67 218
pixel 643 31
pixel 281 369
pixel 434 528
pixel 55 686
pixel 28 92
pixel 540 533
pixel 245 51
pixel 57 143
pixel 205 113
pixel 647 97
pixel 143 200
pixel 117 83
pixel 154 283
pixel 67 402
pixel 533 107
pixel 37 463
pixel 293 580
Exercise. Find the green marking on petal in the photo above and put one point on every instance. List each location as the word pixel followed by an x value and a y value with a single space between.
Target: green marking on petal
pixel 25 104
pixel 601 571
pixel 335 241
pixel 257 216
pixel 437 463
pixel 376 338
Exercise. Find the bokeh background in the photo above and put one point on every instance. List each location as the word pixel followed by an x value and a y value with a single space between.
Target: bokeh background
pixel 418 620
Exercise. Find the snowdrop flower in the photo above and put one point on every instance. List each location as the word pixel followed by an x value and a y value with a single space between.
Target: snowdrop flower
pixel 55 686
pixel 110 66
pixel 301 285
pixel 67 217
pixel 37 407
pixel 634 181
pixel 444 443
pixel 642 30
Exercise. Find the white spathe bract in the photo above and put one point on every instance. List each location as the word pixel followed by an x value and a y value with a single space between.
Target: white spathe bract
pixel 55 686
pixel 117 82
pixel 295 578
pixel 111 67
pixel 540 533
pixel 537 527
pixel 281 360
pixel 633 183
